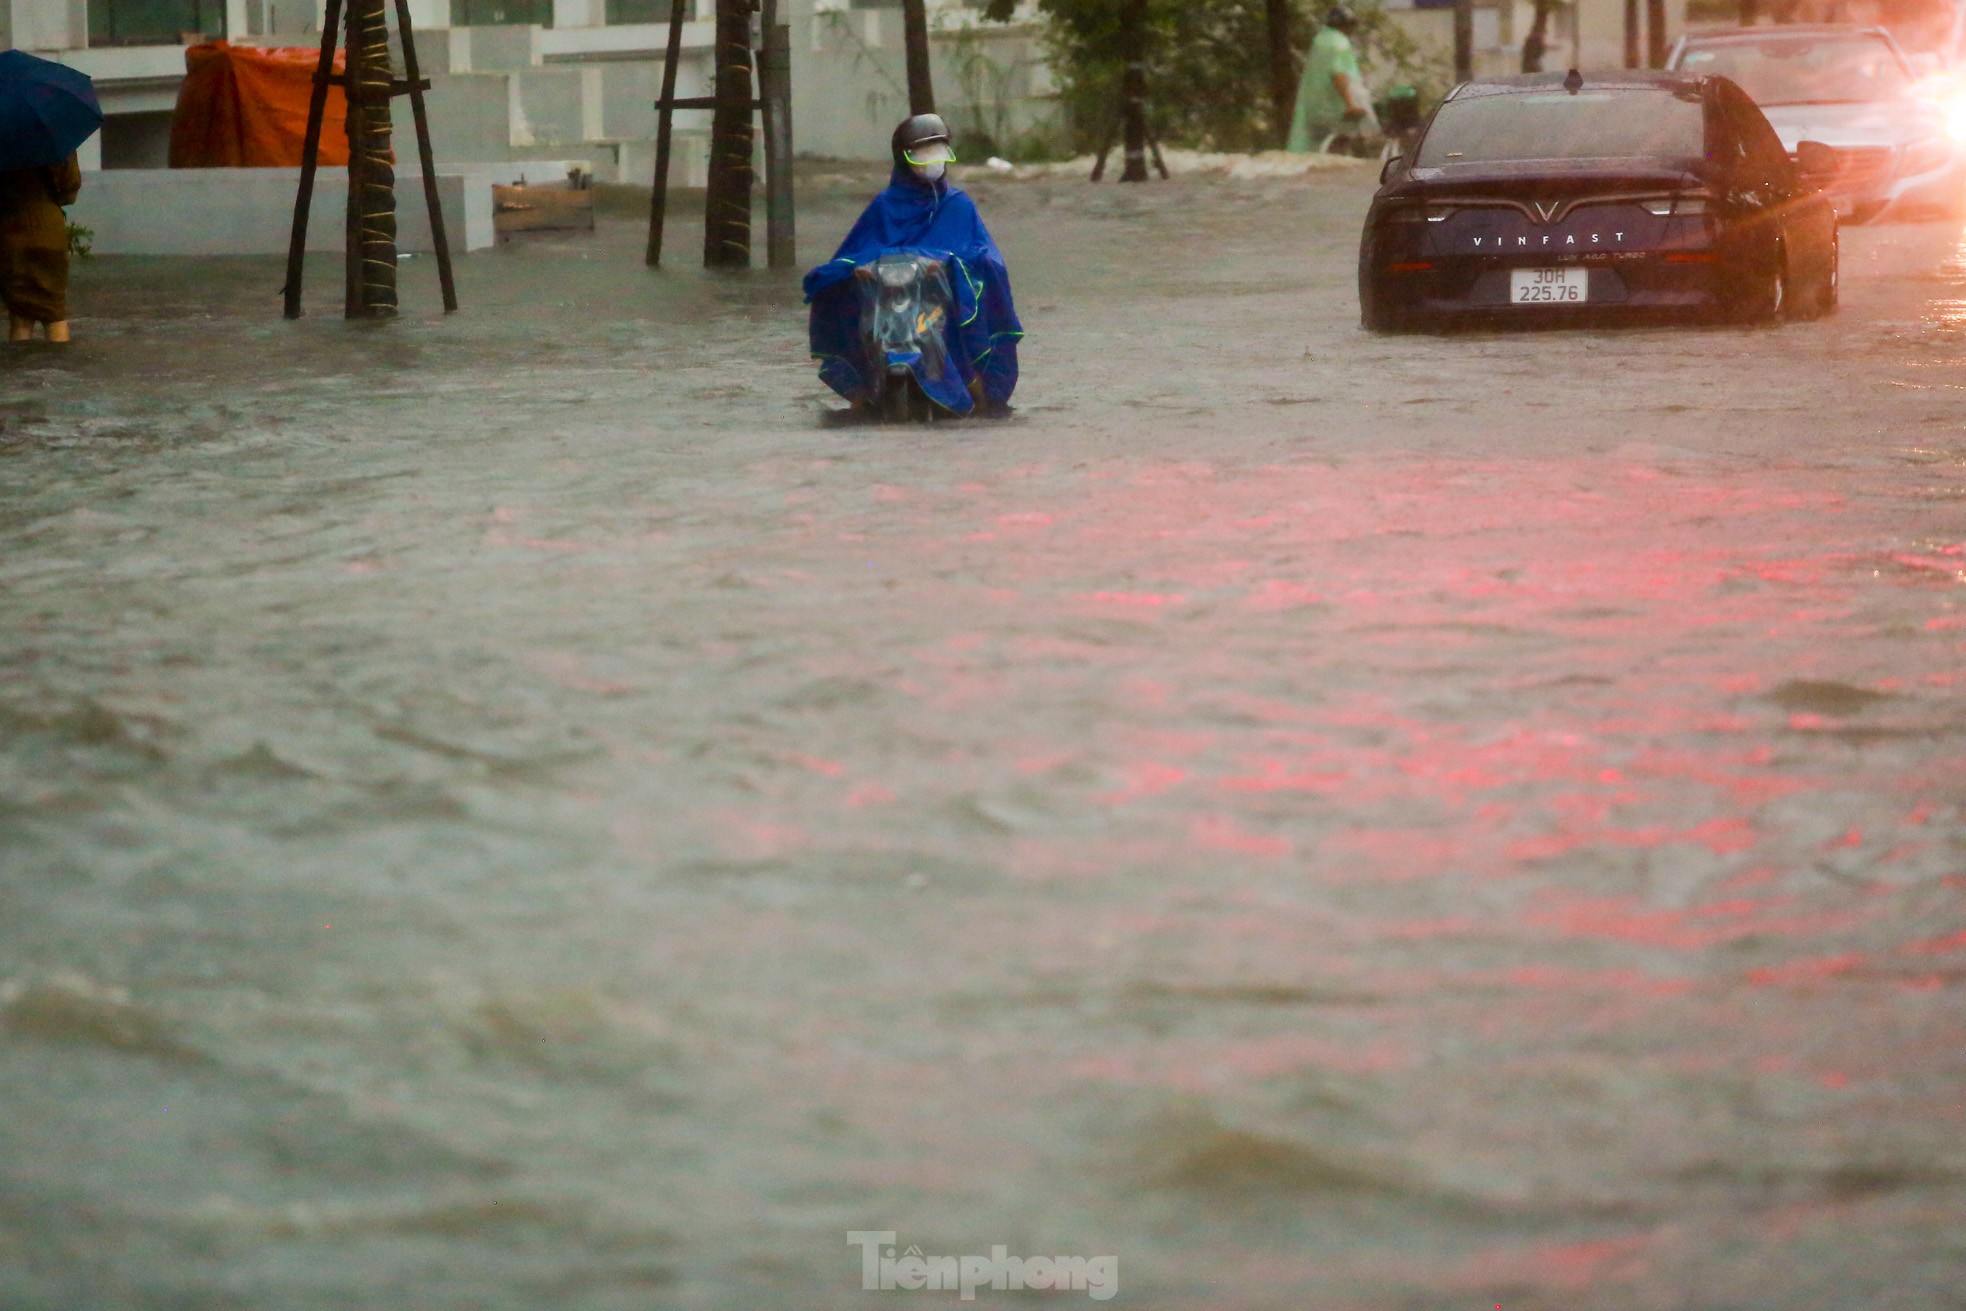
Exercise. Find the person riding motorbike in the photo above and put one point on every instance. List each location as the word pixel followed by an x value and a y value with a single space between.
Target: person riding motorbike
pixel 921 213
pixel 1332 99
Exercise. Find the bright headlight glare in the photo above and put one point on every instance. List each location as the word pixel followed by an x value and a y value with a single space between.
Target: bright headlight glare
pixel 1922 156
pixel 1956 118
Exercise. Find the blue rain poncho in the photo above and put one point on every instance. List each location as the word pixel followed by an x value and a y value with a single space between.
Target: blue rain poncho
pixel 936 220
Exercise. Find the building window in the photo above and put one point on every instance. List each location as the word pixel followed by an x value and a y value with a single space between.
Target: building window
pixel 153 22
pixel 656 11
pixel 488 13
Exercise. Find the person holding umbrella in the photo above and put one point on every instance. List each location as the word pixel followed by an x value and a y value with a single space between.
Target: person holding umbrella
pixel 46 111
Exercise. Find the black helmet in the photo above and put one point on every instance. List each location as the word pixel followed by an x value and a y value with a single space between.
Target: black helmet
pixel 918 136
pixel 1341 18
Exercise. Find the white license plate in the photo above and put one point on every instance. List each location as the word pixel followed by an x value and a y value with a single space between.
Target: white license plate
pixel 1571 286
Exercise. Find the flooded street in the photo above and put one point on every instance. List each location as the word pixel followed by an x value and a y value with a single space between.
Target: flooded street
pixel 515 811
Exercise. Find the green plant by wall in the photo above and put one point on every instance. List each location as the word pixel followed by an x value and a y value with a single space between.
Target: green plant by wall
pixel 890 101
pixel 981 114
pixel 1208 65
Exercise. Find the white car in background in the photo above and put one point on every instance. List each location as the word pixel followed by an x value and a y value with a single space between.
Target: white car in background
pixel 1931 32
pixel 1896 136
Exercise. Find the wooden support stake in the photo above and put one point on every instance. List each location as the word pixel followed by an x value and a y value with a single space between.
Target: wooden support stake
pixel 664 126
pixel 775 98
pixel 432 202
pixel 1105 149
pixel 310 154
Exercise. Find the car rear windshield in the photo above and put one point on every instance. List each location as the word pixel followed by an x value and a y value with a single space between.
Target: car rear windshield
pixel 1626 123
pixel 1805 70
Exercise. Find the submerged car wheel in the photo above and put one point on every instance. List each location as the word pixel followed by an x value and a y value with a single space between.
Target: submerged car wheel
pixel 1374 315
pixel 1819 300
pixel 1832 286
pixel 1764 296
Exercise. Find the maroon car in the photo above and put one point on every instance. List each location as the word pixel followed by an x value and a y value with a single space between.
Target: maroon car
pixel 1554 197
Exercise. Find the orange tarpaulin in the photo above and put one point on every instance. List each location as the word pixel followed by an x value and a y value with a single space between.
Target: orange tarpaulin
pixel 246 108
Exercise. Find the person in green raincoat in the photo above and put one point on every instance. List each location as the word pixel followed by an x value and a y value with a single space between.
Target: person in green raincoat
pixel 1332 98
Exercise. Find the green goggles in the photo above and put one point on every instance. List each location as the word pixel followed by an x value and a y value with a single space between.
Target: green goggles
pixel 930 152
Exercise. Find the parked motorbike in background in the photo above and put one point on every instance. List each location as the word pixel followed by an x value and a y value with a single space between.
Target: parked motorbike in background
pixel 1398 112
pixel 904 311
pixel 1400 120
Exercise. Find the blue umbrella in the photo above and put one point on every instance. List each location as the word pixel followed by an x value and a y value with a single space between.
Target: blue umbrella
pixel 46 110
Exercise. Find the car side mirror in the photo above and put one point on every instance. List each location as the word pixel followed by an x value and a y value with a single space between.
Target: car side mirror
pixel 1390 167
pixel 1815 160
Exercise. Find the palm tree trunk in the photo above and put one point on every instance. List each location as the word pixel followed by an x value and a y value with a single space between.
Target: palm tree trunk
pixel 727 208
pixel 921 81
pixel 1133 89
pixel 371 165
pixel 1283 70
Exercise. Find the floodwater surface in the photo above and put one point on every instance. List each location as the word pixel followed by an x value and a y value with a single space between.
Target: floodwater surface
pixel 515 811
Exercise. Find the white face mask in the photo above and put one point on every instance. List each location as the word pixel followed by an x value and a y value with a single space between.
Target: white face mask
pixel 930 172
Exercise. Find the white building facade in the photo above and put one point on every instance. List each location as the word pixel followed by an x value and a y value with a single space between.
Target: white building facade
pixel 526 79
pixel 518 79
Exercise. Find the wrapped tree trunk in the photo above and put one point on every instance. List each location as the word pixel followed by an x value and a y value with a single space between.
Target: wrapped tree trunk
pixel 727 209
pixel 921 83
pixel 371 165
pixel 1133 89
pixel 1283 70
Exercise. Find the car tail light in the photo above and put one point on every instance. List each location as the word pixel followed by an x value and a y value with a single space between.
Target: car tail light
pixel 1406 214
pixel 1675 206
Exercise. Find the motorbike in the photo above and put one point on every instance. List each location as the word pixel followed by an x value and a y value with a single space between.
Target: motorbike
pixel 1396 132
pixel 904 311
pixel 1400 120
